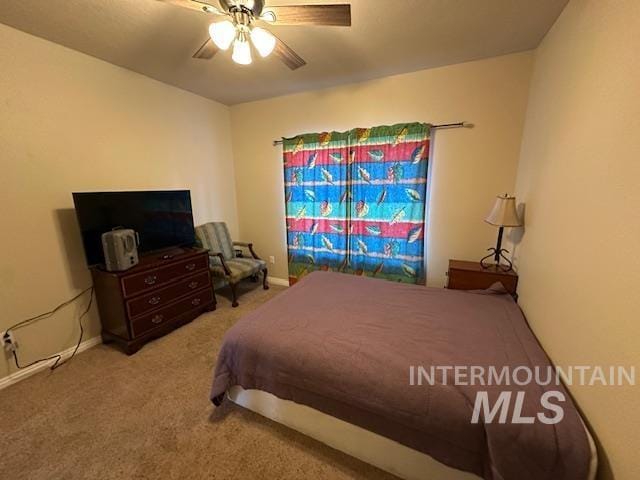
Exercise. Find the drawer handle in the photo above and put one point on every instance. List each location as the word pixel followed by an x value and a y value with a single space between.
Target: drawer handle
pixel 157 319
pixel 151 280
pixel 190 266
pixel 194 285
pixel 195 302
pixel 154 300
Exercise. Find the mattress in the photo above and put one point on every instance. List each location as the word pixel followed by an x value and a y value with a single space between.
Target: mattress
pixel 346 346
pixel 382 452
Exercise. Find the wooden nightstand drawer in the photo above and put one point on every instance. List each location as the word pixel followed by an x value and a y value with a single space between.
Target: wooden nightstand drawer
pixel 472 276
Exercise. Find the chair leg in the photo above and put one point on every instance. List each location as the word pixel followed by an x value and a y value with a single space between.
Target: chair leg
pixel 234 295
pixel 265 285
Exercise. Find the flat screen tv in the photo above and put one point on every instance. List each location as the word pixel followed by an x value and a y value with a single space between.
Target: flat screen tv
pixel 162 219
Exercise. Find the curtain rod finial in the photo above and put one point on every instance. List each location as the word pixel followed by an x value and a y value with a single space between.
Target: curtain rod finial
pixel 468 125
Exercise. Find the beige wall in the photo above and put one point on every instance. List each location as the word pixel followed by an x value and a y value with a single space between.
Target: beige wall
pixel 579 178
pixel 69 122
pixel 469 166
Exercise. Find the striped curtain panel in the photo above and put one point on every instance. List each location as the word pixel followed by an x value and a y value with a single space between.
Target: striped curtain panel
pixel 355 202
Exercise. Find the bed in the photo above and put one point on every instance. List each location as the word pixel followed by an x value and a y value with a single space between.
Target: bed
pixel 332 357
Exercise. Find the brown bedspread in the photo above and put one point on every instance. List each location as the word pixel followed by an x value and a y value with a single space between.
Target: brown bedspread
pixel 343 345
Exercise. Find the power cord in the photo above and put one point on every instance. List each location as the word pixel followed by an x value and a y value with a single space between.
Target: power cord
pixel 58 357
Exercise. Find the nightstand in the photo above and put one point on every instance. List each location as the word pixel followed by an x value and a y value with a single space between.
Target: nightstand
pixel 465 275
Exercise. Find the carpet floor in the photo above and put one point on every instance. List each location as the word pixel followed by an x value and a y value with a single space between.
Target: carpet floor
pixel 108 416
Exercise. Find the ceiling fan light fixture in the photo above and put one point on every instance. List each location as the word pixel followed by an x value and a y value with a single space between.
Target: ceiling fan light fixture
pixel 237 27
pixel 263 40
pixel 241 50
pixel 222 34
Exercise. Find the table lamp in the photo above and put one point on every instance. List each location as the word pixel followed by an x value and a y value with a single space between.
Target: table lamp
pixel 502 215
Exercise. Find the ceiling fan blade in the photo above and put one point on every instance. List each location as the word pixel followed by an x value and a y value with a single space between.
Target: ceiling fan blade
pixel 198 5
pixel 334 15
pixel 207 50
pixel 290 58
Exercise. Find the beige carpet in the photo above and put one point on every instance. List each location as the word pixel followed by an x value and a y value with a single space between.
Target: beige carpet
pixel 105 416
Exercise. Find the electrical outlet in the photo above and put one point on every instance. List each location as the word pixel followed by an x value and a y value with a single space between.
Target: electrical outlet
pixel 9 341
pixel 272 260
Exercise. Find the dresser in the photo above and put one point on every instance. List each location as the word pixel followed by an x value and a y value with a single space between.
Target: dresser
pixel 164 291
pixel 464 275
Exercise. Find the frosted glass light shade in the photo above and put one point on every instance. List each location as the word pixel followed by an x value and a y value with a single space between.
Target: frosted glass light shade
pixel 222 34
pixel 264 41
pixel 241 52
pixel 504 213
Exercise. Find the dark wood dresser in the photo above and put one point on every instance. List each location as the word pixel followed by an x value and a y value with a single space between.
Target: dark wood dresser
pixel 465 275
pixel 165 290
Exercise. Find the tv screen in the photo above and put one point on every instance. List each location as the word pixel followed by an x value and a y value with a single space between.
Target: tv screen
pixel 162 219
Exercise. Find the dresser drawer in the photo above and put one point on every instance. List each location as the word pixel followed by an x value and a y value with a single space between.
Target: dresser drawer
pixel 139 283
pixel 158 317
pixel 162 296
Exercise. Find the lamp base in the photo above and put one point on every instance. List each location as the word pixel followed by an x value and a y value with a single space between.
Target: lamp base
pixel 497 255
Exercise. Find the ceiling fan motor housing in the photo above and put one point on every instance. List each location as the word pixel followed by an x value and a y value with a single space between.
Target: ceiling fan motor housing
pixel 251 7
pixel 241 18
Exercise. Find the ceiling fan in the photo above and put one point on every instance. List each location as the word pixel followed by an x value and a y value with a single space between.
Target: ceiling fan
pixel 239 28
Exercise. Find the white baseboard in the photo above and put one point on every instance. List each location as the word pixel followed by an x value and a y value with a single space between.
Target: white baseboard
pixel 33 369
pixel 279 281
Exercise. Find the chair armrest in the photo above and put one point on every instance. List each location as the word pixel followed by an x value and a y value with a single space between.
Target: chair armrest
pixel 227 271
pixel 249 246
pixel 243 244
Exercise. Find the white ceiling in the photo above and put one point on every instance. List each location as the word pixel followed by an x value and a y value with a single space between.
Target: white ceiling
pixel 387 37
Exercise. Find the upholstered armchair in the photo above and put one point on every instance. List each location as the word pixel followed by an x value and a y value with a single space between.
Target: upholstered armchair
pixel 226 267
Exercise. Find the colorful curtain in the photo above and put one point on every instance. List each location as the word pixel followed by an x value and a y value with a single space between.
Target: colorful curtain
pixel 355 202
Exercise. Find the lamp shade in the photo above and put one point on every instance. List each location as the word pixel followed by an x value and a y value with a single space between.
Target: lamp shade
pixel 504 213
pixel 222 34
pixel 241 51
pixel 264 41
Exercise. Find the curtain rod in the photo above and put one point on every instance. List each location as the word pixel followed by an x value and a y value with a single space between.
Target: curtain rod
pixel 442 125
